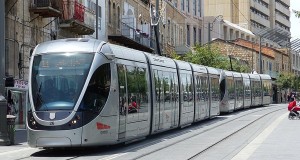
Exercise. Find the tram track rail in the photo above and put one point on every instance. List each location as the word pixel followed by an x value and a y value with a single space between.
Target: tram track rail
pixel 195 156
pixel 210 129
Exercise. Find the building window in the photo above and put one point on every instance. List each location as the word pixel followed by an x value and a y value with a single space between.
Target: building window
pixel 188 6
pixel 114 14
pixel 194 8
pixel 118 17
pixel 182 5
pixel 195 35
pixel 175 3
pixel 109 11
pixel 199 33
pixel 188 41
pixel 199 8
pixel 169 30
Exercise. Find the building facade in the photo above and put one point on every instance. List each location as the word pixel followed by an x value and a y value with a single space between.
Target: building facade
pixel 253 15
pixel 273 61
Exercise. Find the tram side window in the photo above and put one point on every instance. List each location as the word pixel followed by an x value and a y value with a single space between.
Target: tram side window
pixel 230 88
pixel 122 89
pixel 184 86
pixel 204 88
pixel 266 88
pixel 98 89
pixel 137 89
pixel 142 96
pixel 222 88
pixel 215 89
pixel 132 89
pixel 190 87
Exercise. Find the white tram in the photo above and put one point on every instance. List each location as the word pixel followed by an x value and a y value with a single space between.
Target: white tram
pixel 85 92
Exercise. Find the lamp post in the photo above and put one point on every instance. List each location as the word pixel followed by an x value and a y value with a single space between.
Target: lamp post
pixel 260 57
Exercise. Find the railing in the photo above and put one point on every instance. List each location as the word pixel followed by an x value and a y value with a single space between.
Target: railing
pixel 145 1
pixel 136 35
pixel 46 3
pixel 73 10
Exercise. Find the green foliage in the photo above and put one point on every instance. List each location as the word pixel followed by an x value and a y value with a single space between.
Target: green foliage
pixel 287 80
pixel 210 56
pixel 175 56
pixel 204 55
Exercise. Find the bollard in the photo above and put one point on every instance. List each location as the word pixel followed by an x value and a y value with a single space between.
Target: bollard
pixel 4 140
pixel 11 128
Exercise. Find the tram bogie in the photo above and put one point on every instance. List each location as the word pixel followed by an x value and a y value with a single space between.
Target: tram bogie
pixel 103 94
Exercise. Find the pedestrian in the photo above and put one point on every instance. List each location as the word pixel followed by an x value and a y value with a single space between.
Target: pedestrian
pixel 293 106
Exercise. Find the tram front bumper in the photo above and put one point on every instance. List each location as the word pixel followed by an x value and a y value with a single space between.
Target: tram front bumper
pixel 54 139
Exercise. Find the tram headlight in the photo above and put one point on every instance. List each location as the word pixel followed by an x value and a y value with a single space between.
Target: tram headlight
pixel 74 121
pixel 33 123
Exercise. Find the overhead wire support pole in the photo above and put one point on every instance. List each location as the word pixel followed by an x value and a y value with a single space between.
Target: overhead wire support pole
pixel 260 57
pixel 2 47
pixel 156 27
pixel 97 10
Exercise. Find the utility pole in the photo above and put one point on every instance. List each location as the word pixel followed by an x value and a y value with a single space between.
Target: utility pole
pixel 156 27
pixel 97 10
pixel 260 57
pixel 2 46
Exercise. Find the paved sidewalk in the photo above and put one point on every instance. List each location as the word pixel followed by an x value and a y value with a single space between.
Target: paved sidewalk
pixel 20 142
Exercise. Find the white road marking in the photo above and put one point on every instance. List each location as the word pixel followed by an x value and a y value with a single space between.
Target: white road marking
pixel 113 156
pixel 15 151
pixel 246 152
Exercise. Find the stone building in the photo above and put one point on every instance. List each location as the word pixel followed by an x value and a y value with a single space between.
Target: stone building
pixel 273 61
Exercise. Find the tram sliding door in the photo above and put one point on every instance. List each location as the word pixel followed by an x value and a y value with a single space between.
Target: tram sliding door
pixel 166 102
pixel 134 104
pixel 202 99
pixel 122 102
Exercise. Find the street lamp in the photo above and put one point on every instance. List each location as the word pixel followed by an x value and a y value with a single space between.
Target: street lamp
pixel 211 26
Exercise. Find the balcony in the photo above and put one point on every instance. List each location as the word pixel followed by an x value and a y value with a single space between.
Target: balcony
pixel 77 18
pixel 133 38
pixel 145 1
pixel 46 8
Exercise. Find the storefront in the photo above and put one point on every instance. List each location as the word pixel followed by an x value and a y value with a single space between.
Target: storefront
pixel 17 98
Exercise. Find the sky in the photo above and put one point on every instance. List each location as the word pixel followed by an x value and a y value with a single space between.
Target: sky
pixel 295 22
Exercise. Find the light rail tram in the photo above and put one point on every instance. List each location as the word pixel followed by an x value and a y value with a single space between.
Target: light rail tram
pixel 86 92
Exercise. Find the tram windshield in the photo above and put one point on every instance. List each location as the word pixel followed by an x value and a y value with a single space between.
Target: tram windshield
pixel 57 79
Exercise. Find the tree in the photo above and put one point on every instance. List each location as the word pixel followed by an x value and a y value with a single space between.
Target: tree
pixel 210 56
pixel 286 80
